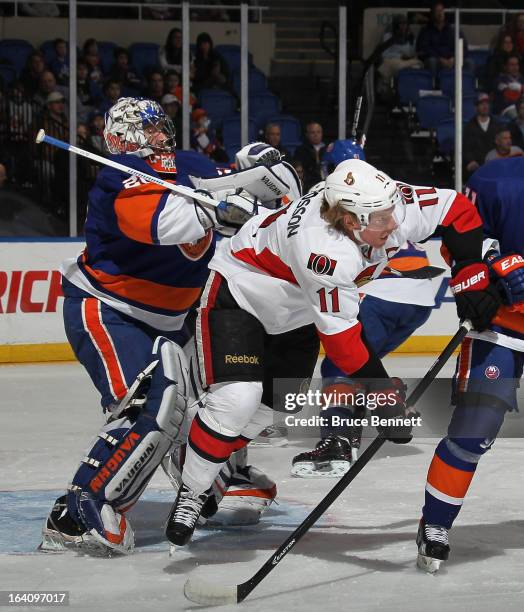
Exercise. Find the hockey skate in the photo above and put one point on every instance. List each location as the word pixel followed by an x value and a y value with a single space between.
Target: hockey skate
pixel 331 458
pixel 184 514
pixel 60 532
pixel 433 546
pixel 272 436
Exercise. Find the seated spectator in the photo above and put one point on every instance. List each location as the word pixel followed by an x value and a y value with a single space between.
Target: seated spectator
pixel 54 118
pixel 93 61
pixel 112 92
pixel 124 73
pixel 210 68
pixel 170 55
pixel 503 146
pixel 34 68
pixel 309 154
pixel 504 47
pixel 171 106
pixel 272 137
pixel 517 126
pixel 436 42
pixel 517 31
pixel 20 114
pixel 479 135
pixel 173 87
pixel 509 87
pixel 46 85
pixel 96 132
pixel 88 93
pixel 399 54
pixel 155 85
pixel 203 137
pixel 60 64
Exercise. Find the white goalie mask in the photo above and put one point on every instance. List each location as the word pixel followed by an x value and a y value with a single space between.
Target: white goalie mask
pixel 371 195
pixel 139 126
pixel 256 153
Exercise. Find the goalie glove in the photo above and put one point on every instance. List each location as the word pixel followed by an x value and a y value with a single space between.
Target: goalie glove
pixel 508 273
pixel 230 214
pixel 476 299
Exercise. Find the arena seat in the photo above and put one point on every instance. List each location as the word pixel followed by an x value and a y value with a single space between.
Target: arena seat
pixel 409 82
pixel 15 51
pixel 262 106
pixel 231 55
pixel 431 110
pixel 257 81
pixel 290 130
pixel 447 83
pixel 218 103
pixel 143 56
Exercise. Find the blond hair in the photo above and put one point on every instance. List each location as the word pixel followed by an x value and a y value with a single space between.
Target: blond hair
pixel 335 217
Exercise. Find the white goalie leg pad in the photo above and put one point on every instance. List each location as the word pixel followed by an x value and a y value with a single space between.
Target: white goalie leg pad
pixel 262 418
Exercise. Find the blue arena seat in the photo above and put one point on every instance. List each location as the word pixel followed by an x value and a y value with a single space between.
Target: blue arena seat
pixel 257 81
pixel 231 132
pixel 446 136
pixel 15 51
pixel 468 107
pixel 480 58
pixel 290 130
pixel 262 106
pixel 143 56
pixel 231 55
pixel 7 74
pixel 218 104
pixel 409 82
pixel 106 51
pixel 447 83
pixel 431 110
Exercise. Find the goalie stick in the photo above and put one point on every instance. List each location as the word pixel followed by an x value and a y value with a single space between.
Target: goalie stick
pixel 180 189
pixel 206 593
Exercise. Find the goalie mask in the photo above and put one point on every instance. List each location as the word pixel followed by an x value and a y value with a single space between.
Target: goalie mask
pixel 256 153
pixel 371 195
pixel 139 126
pixel 338 151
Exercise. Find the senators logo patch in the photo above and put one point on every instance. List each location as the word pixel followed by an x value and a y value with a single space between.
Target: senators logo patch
pixel 196 250
pixel 321 265
pixel 350 179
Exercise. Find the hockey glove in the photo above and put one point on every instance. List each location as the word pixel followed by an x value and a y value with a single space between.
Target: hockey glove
pixel 508 273
pixel 230 214
pixel 476 299
pixel 395 421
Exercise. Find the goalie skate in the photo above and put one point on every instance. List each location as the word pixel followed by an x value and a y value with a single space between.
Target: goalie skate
pixel 331 458
pixel 272 436
pixel 60 532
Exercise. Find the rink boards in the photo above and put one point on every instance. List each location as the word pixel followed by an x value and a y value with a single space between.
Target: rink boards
pixel 31 327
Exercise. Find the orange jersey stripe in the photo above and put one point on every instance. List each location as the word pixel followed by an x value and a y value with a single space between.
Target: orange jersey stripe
pixel 510 319
pixel 146 292
pixel 102 340
pixel 402 264
pixel 449 480
pixel 135 208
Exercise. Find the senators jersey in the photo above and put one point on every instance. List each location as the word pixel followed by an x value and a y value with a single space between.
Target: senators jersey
pixel 146 251
pixel 497 189
pixel 289 268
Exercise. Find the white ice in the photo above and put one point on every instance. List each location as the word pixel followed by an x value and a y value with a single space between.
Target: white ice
pixel 360 556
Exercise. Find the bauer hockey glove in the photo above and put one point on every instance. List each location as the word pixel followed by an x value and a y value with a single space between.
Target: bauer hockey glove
pixel 507 271
pixel 476 299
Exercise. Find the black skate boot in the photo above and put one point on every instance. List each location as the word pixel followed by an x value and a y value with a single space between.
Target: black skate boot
pixel 433 546
pixel 60 531
pixel 331 458
pixel 184 516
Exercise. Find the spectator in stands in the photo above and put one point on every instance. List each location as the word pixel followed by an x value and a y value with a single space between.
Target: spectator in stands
pixel 88 93
pixel 60 64
pixel 3 176
pixel 517 31
pixel 54 118
pixel 479 135
pixel 509 87
pixel 124 73
pixel 503 146
pixel 112 92
pixel 310 152
pixel 203 137
pixel 155 85
pixel 272 137
pixel 171 106
pixel 517 126
pixel 34 68
pixel 96 131
pixel 46 85
pixel 210 68
pixel 436 42
pixel 503 48
pixel 173 87
pixel 399 53
pixel 170 55
pixel 20 114
pixel 93 61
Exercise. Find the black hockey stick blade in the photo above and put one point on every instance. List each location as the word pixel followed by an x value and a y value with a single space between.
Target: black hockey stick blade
pixel 425 272
pixel 207 593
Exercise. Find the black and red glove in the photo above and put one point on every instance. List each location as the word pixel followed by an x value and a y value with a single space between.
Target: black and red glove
pixel 476 299
pixel 398 429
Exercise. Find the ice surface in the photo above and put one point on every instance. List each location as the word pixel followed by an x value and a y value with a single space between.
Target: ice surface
pixel 360 556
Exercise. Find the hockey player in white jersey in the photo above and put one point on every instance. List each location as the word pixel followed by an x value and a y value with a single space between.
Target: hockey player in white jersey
pixel 301 265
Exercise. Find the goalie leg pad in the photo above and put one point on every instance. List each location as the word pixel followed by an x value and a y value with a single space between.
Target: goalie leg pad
pixel 126 453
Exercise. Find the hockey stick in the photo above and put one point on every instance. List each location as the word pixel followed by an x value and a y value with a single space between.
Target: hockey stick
pixel 180 189
pixel 202 592
pixel 426 272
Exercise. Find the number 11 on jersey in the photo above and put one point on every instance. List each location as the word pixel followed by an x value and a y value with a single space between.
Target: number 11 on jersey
pixel 335 307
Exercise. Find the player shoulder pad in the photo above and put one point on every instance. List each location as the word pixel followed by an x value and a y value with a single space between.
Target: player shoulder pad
pixel 258 181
